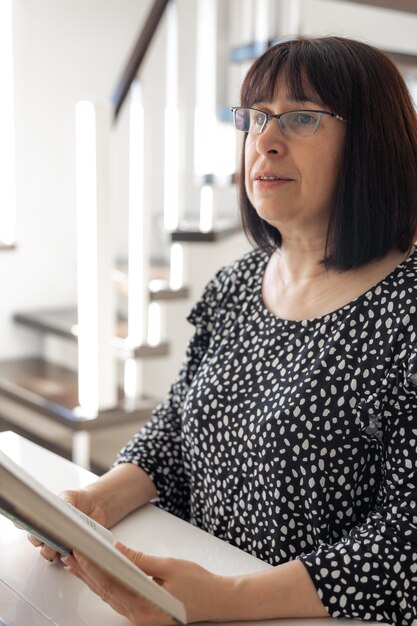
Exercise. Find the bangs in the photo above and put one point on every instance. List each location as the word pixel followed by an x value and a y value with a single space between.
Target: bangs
pixel 261 82
pixel 305 71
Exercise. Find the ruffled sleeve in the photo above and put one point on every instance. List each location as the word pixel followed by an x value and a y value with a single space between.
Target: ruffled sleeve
pixel 157 447
pixel 371 573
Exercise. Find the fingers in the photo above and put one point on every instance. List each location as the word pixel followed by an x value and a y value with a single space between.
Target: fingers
pixel 34 540
pixel 121 599
pixel 154 566
pixel 46 551
pixel 70 496
pixel 86 502
pixel 117 602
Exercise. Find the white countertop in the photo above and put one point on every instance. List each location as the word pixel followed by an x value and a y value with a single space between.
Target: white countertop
pixel 34 592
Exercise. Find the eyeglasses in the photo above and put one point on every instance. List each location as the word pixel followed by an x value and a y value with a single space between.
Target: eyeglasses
pixel 302 123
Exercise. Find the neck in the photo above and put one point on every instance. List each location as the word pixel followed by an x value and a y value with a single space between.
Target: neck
pixel 300 262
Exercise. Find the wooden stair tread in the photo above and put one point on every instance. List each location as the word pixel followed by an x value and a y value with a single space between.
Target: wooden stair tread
pixel 251 51
pixel 396 5
pixel 159 288
pixel 190 232
pixel 52 390
pixel 63 323
pixel 7 424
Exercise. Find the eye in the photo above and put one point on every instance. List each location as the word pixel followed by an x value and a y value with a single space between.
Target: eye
pixel 243 119
pixel 258 118
pixel 304 118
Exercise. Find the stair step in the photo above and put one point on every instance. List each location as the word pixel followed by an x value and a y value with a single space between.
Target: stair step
pixel 191 232
pixel 63 323
pixel 98 468
pixel 159 288
pixel 397 5
pixel 251 51
pixel 52 391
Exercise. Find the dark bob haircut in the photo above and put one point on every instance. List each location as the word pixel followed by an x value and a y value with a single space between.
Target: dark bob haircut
pixel 374 207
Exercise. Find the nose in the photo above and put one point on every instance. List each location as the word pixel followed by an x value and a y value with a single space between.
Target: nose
pixel 272 139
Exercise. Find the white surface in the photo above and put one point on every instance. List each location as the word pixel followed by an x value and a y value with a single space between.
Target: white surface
pixel 36 593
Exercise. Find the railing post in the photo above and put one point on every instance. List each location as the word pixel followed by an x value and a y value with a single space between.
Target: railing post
pixel 138 248
pixel 206 146
pixel 172 144
pixel 97 386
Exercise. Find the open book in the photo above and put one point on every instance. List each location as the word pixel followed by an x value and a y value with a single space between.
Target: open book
pixel 32 506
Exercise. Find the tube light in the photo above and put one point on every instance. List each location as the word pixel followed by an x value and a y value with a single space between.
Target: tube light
pixel 88 383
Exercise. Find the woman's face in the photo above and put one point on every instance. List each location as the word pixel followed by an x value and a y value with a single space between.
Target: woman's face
pixel 290 179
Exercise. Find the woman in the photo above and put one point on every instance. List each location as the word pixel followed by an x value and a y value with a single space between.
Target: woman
pixel 291 430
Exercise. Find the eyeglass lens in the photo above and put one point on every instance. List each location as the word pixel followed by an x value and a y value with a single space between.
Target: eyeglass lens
pixel 302 123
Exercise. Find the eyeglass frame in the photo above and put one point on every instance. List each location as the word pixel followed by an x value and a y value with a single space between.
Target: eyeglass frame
pixel 270 116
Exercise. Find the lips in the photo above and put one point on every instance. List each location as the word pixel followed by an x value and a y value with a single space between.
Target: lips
pixel 269 176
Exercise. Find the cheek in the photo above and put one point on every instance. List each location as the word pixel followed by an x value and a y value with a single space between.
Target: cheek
pixel 249 156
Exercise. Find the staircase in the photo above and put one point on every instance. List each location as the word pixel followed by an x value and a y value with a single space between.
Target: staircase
pixel 40 395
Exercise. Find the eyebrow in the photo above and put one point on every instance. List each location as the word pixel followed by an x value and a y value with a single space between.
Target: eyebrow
pixel 297 103
pixel 306 98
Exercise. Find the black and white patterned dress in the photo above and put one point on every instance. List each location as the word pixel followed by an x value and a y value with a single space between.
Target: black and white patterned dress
pixel 298 439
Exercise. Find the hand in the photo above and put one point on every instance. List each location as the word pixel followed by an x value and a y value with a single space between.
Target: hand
pixel 203 593
pixel 83 500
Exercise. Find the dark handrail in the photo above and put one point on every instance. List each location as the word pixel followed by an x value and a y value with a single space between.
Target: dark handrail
pixel 138 54
pixel 397 5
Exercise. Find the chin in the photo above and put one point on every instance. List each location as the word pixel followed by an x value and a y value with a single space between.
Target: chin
pixel 275 216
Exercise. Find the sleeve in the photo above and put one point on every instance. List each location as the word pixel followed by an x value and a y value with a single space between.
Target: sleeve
pixel 156 448
pixel 371 573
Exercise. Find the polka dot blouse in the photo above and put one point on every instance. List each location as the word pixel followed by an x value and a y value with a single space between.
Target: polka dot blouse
pixel 298 439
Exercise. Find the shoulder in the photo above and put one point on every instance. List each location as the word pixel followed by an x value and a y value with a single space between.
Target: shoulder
pixel 402 289
pixel 230 285
pixel 397 291
pixel 408 270
pixel 241 276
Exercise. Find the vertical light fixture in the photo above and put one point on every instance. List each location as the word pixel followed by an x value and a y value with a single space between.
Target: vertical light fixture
pixel 205 136
pixel 176 264
pixel 97 387
pixel 138 247
pixel 155 324
pixel 291 18
pixel 7 141
pixel 245 11
pixel 206 208
pixel 262 22
pixel 172 144
pixel 138 284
